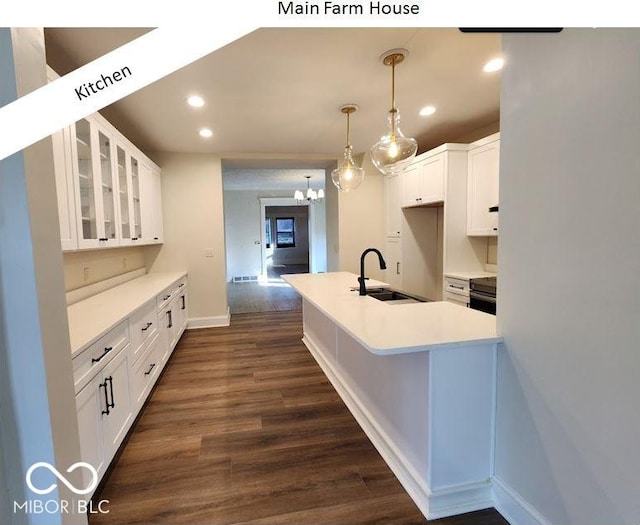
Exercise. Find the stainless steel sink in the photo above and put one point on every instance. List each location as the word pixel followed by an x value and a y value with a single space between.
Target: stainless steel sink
pixel 394 296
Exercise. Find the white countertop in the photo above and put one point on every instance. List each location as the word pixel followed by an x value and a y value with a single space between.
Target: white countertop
pixel 393 329
pixel 469 275
pixel 91 318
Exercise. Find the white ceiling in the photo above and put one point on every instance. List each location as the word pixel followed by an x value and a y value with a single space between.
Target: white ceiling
pixel 275 93
pixel 277 179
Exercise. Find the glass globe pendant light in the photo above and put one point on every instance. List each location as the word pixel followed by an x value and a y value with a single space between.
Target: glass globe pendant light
pixel 393 152
pixel 349 175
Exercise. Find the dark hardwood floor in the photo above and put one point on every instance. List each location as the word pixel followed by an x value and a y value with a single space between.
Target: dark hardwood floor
pixel 243 427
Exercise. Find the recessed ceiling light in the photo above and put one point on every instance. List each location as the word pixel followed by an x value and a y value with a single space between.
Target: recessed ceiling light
pixel 427 110
pixel 195 101
pixel 206 133
pixel 494 64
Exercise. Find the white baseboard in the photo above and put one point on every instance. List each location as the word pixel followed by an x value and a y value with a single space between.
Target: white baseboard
pixel 209 322
pixel 433 504
pixel 513 507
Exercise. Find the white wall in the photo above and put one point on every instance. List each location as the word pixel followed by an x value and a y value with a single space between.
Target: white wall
pixel 568 425
pixel 318 245
pixel 242 229
pixel 193 220
pixel 37 404
pixel 361 216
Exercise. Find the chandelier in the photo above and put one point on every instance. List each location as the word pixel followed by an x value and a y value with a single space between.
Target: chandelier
pixel 310 195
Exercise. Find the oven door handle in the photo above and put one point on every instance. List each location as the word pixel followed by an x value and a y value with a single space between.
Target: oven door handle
pixel 474 294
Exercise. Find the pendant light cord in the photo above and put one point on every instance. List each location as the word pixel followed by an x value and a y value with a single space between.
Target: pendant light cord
pixel 393 84
pixel 348 141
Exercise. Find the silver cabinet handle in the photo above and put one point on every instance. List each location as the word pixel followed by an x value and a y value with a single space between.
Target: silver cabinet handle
pixel 398 268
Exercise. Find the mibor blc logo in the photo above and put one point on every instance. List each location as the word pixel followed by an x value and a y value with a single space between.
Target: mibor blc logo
pixel 80 464
pixel 60 506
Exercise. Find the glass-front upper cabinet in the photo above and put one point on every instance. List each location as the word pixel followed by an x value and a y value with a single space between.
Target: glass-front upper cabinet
pixel 94 170
pixel 123 184
pixel 108 187
pixel 135 193
pixel 83 167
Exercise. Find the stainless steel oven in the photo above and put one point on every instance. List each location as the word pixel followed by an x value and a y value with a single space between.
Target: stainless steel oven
pixel 483 294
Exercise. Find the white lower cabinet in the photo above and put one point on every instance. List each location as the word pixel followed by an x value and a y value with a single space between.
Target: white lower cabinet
pixel 115 374
pixel 456 290
pixel 104 412
pixel 145 371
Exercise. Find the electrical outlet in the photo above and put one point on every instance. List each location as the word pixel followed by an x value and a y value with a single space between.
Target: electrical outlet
pixel 208 252
pixel 85 273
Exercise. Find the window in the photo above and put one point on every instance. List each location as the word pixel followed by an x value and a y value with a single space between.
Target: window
pixel 285 233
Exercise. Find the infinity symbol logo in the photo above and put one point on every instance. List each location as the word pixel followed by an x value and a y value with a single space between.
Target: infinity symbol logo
pixel 54 471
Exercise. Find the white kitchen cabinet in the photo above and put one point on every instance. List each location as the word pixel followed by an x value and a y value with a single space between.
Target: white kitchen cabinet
pixel 132 194
pixel 180 309
pixel 393 203
pixel 93 168
pixel 393 258
pixel 456 290
pixel 119 413
pixel 424 180
pixel 115 372
pixel 482 186
pixel 90 402
pixel 108 191
pixel 145 372
pixel 63 169
pixel 152 204
pixel 172 316
pixel 104 412
pixel 62 164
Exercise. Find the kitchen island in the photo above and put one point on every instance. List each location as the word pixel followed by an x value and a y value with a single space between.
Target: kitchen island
pixel 420 380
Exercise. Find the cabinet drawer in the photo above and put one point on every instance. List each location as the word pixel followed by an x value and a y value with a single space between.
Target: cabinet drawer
pixel 179 287
pixel 163 299
pixel 456 286
pixel 146 370
pixel 91 360
pixel 143 325
pixel 462 300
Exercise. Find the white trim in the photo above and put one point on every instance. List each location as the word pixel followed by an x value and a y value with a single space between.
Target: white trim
pixel 209 322
pixel 513 507
pixel 93 289
pixel 446 502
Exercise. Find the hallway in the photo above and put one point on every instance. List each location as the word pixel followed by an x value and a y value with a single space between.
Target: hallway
pixel 273 295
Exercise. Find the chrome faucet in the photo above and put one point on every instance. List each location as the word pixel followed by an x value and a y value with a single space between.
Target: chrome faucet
pixel 362 278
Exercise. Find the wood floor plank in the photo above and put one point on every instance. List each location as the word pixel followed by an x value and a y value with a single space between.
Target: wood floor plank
pixel 243 427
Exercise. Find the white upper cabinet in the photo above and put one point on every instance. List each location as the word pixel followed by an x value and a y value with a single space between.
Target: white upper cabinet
pixel 104 198
pixel 62 165
pixel 152 204
pixel 86 170
pixel 482 186
pixel 393 194
pixel 423 181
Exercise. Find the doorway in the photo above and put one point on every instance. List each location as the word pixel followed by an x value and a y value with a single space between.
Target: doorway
pixel 286 241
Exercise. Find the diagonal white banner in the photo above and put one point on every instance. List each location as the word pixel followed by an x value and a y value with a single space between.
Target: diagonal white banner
pixel 109 78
